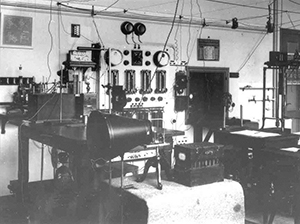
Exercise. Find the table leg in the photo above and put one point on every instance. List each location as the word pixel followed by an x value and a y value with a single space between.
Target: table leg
pixel 297 203
pixel 23 165
pixel 158 169
pixel 3 123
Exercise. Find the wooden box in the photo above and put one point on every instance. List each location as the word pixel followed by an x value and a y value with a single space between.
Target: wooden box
pixel 198 163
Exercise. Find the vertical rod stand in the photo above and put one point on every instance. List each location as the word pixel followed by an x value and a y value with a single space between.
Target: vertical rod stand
pixel 42 162
pixel 158 169
pixel 122 171
pixel 110 174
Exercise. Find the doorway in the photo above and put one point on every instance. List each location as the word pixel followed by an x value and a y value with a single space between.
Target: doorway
pixel 206 89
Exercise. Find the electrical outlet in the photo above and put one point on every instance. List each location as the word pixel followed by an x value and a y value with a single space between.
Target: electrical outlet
pixel 75 30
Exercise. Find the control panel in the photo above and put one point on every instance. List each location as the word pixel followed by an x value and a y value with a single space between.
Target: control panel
pixel 145 74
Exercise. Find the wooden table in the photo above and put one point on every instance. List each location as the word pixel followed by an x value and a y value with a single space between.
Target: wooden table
pixel 281 179
pixel 69 137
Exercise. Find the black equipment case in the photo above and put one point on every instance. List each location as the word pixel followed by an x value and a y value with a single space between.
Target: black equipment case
pixel 198 163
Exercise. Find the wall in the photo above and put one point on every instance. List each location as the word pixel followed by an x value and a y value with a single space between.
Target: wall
pixel 52 41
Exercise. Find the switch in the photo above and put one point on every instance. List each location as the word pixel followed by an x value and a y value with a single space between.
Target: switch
pixel 75 30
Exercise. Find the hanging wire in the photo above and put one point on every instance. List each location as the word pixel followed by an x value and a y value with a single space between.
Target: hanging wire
pixel 51 42
pixel 251 6
pixel 64 29
pixel 189 29
pixel 154 5
pixel 179 27
pixel 164 47
pixel 297 3
pixel 96 28
pixel 199 8
pixel 290 19
pixel 252 51
pixel 110 6
pixel 254 17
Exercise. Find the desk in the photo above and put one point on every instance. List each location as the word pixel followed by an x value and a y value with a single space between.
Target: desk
pixel 281 176
pixel 69 137
pixel 242 158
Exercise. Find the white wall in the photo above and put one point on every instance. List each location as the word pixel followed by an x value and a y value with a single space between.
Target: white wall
pixel 235 46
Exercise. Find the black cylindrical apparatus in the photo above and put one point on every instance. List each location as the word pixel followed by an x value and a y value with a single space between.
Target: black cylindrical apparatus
pixel 110 135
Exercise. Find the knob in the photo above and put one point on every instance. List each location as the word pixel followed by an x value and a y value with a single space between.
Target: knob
pixel 147 53
pixel 159 98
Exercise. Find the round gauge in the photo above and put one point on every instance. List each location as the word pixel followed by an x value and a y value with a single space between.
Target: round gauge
pixel 161 58
pixel 116 57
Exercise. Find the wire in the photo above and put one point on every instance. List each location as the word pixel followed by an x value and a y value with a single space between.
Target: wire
pixel 175 37
pixel 150 6
pixel 64 29
pixel 250 6
pixel 236 4
pixel 110 6
pixel 253 17
pixel 189 29
pixel 164 47
pixel 99 37
pixel 172 26
pixel 297 3
pixel 72 7
pixel 252 52
pixel 290 19
pixel 51 42
pixel 199 8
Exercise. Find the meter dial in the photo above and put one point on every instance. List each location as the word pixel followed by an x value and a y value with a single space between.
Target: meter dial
pixel 116 57
pixel 161 58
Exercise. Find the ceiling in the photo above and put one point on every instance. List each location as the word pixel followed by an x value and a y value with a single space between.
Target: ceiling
pixel 247 11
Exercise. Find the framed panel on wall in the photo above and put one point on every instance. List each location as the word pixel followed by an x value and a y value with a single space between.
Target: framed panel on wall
pixel 16 31
pixel 208 50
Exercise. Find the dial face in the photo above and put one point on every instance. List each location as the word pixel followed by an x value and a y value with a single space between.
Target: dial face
pixel 116 57
pixel 161 58
pixel 81 56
